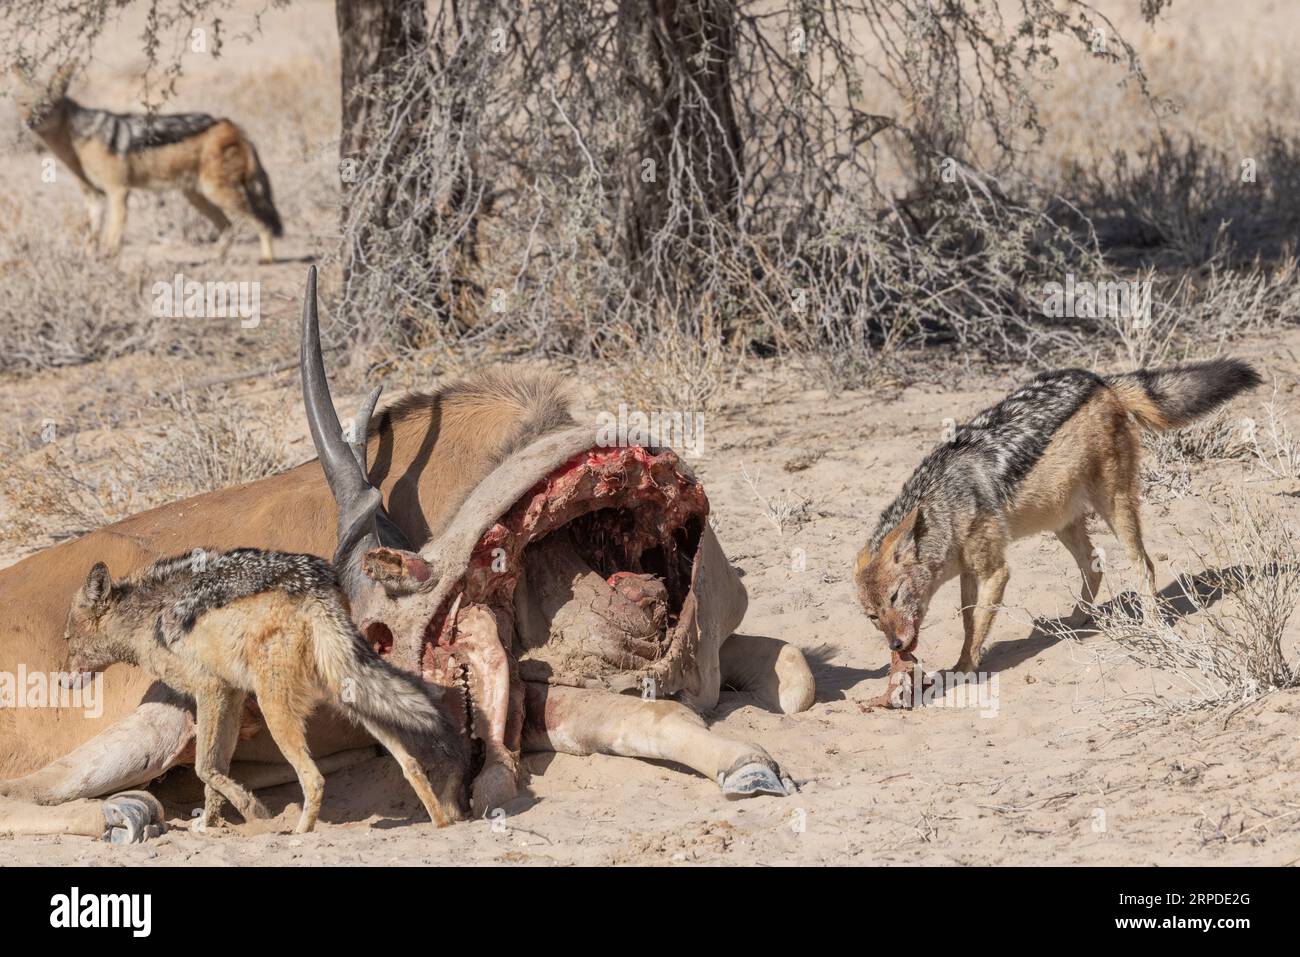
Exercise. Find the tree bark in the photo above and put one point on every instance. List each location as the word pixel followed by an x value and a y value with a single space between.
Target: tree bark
pixel 374 37
pixel 372 34
pixel 409 127
pixel 693 137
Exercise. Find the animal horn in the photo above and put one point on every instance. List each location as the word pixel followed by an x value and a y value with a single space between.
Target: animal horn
pixel 358 501
pixel 361 427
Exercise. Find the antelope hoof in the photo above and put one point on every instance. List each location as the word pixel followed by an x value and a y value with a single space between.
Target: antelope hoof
pixel 495 786
pixel 132 817
pixel 754 777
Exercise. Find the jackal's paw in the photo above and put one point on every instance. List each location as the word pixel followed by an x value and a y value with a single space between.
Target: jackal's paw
pixel 1079 618
pixel 132 817
pixel 752 776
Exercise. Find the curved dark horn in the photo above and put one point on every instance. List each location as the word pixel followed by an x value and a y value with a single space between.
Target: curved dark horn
pixel 344 466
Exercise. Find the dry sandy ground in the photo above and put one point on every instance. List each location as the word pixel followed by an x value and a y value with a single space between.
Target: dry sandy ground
pixel 1062 772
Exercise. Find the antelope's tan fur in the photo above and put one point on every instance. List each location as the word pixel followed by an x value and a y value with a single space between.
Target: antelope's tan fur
pixel 481 419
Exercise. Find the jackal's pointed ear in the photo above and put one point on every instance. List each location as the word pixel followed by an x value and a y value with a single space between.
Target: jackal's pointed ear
pixel 61 79
pixel 863 560
pixel 911 532
pixel 94 594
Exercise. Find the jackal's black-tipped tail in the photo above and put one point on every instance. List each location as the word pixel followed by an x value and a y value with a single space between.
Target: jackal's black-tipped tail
pixel 1175 397
pixel 374 692
pixel 257 187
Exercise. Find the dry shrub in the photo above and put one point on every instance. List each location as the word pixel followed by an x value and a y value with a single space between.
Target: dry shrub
pixel 1213 439
pixel 1228 649
pixel 672 363
pixel 720 158
pixel 211 444
pixel 1167 468
pixel 1191 315
pixel 62 308
pixel 1219 304
pixel 1275 449
pixel 1183 202
pixel 67 489
pixel 85 481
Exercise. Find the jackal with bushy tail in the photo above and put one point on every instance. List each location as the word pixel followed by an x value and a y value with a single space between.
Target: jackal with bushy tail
pixel 210 160
pixel 1065 444
pixel 219 625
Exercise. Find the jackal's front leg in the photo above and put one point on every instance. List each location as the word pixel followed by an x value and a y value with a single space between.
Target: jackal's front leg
pixel 981 594
pixel 94 201
pixel 218 733
pixel 116 222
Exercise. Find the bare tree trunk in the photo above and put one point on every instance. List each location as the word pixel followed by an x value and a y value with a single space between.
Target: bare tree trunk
pixel 687 177
pixel 411 206
pixel 372 33
pixel 374 36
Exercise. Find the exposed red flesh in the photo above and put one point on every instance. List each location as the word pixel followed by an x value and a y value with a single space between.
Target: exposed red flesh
pixel 651 501
pixel 653 487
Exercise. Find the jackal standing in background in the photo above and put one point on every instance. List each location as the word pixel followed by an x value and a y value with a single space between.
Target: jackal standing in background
pixel 217 625
pixel 209 160
pixel 1065 444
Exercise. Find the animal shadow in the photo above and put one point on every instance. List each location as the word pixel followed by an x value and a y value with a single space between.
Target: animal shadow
pixel 1180 599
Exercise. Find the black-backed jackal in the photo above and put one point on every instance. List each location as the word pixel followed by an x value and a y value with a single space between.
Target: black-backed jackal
pixel 1065 444
pixel 219 625
pixel 209 160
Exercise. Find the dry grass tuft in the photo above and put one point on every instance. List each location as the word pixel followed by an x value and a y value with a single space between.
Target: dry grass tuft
pixel 1220 644
pixel 1277 451
pixel 76 484
pixel 62 308
pixel 1167 468
pixel 213 444
pixel 672 363
pixel 789 510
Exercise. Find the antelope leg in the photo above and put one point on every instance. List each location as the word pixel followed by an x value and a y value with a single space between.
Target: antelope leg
pixel 497 706
pixel 584 721
pixel 773 671
pixel 127 754
pixel 126 818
